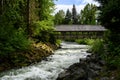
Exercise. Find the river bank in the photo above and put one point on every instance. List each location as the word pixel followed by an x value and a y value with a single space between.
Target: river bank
pixel 36 53
pixel 90 68
pixel 49 68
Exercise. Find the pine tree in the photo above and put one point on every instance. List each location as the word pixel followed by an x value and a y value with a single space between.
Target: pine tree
pixel 74 15
pixel 68 17
pixel 110 18
pixel 45 8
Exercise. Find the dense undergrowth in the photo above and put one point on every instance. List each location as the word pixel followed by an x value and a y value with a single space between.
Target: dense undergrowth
pixel 17 49
pixel 36 53
pixel 107 51
pixel 26 33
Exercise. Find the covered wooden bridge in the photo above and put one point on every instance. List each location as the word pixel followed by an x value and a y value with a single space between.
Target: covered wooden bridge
pixel 79 31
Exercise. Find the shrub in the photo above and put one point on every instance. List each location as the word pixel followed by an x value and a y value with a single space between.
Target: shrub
pixel 97 47
pixel 58 41
pixel 13 40
pixel 81 41
pixel 85 41
pixel 43 31
pixel 113 56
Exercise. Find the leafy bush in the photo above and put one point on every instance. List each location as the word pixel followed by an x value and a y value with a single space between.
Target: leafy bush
pixel 113 56
pixel 13 40
pixel 58 41
pixel 20 41
pixel 98 47
pixel 112 41
pixel 85 41
pixel 81 41
pixel 42 26
pixel 43 31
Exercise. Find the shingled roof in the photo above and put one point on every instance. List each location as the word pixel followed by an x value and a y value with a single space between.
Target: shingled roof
pixel 79 28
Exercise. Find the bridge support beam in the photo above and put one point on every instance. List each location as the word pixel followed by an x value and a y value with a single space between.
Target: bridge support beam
pixel 78 35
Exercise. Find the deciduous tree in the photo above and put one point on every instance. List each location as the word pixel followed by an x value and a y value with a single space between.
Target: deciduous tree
pixel 88 14
pixel 59 17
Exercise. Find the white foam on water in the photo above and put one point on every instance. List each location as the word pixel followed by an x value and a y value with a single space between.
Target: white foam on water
pixel 49 70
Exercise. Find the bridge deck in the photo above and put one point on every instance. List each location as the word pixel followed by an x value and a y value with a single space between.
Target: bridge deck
pixel 79 31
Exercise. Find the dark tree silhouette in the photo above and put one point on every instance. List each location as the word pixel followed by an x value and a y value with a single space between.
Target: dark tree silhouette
pixel 68 17
pixel 74 15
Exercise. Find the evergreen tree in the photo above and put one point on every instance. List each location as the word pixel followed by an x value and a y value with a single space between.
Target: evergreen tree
pixel 68 17
pixel 110 18
pixel 88 14
pixel 12 26
pixel 45 8
pixel 59 17
pixel 110 14
pixel 16 22
pixel 74 15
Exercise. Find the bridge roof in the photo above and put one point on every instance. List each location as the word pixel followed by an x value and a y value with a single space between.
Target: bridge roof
pixel 79 28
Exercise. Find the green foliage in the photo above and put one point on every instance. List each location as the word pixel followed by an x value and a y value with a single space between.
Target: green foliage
pixel 113 53
pixel 97 47
pixel 41 26
pixel 12 36
pixel 110 18
pixel 88 14
pixel 74 15
pixel 81 41
pixel 43 31
pixel 13 40
pixel 16 28
pixel 68 17
pixel 85 41
pixel 110 13
pixel 113 62
pixel 58 41
pixel 20 41
pixel 59 17
pixel 45 8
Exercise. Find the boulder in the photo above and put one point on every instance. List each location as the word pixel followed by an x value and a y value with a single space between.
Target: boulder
pixel 87 69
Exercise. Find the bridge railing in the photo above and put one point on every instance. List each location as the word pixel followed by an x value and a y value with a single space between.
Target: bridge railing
pixel 79 35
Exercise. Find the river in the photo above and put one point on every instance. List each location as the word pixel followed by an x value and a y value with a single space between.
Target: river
pixel 49 69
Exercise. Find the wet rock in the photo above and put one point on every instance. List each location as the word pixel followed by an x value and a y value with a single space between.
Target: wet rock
pixel 79 74
pixel 87 69
pixel 94 66
pixel 102 62
pixel 63 74
pixel 105 78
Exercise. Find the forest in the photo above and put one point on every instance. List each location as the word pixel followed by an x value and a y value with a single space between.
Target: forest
pixel 88 16
pixel 26 24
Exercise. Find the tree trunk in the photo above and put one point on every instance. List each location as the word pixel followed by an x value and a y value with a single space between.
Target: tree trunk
pixel 1 7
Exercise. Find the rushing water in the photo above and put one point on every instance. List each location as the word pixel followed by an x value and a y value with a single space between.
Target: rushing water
pixel 69 54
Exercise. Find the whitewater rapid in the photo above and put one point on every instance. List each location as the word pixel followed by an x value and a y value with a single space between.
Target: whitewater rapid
pixel 49 69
